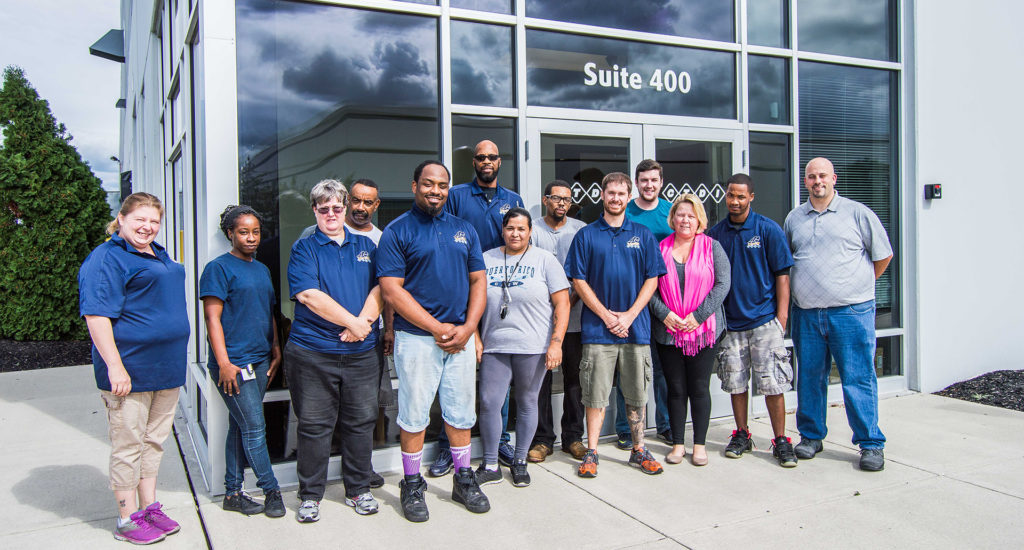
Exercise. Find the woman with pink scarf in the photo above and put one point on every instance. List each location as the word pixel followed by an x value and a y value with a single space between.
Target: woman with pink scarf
pixel 688 319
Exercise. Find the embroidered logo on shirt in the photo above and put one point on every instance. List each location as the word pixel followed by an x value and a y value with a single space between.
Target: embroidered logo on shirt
pixel 460 237
pixel 363 256
pixel 633 243
pixel 754 242
pixel 505 208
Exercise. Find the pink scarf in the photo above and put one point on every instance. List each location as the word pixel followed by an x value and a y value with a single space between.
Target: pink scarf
pixel 700 278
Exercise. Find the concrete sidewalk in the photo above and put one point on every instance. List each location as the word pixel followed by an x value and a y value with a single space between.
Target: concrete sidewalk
pixel 954 478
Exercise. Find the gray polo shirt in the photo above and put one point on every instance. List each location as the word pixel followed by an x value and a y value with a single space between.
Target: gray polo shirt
pixel 833 253
pixel 557 242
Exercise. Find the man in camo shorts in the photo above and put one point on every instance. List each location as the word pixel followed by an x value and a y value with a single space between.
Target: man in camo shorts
pixel 756 311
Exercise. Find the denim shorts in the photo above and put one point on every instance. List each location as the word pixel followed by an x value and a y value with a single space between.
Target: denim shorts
pixel 425 370
pixel 760 349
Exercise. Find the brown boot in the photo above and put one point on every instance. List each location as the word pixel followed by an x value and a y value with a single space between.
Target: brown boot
pixel 577 449
pixel 538 453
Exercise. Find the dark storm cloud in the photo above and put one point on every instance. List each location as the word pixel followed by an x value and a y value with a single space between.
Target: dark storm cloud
pixel 710 19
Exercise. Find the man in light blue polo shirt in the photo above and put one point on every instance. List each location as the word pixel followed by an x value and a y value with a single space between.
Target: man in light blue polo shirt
pixel 839 249
pixel 756 310
pixel 432 274
pixel 650 211
pixel 482 202
pixel 614 265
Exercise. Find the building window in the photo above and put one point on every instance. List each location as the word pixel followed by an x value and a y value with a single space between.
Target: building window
pixel 768 23
pixel 493 6
pixel 768 89
pixel 467 131
pixel 866 28
pixel 708 19
pixel 482 72
pixel 583 72
pixel 849 115
pixel 771 161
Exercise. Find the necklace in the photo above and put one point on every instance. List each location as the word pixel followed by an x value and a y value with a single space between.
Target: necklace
pixel 506 298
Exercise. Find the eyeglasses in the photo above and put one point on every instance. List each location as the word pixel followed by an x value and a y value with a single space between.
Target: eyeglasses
pixel 337 209
pixel 558 200
pixel 481 158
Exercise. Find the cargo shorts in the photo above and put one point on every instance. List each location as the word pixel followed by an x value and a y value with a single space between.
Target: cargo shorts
pixel 760 349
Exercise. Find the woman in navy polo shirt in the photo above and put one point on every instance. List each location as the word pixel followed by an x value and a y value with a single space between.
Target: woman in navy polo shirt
pixel 132 296
pixel 238 300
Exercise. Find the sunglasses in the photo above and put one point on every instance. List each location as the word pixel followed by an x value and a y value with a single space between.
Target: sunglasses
pixel 324 210
pixel 481 158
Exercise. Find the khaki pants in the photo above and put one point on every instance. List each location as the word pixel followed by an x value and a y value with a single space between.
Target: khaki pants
pixel 139 424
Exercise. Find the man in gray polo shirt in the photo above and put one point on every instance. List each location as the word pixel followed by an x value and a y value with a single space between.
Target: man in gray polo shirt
pixel 839 249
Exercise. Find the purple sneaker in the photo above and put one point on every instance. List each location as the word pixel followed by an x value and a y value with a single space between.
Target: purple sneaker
pixel 139 531
pixel 157 518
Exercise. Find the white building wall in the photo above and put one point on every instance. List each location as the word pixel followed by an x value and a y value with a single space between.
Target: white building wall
pixel 969 117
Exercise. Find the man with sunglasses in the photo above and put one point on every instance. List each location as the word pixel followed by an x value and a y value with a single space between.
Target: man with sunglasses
pixel 482 203
pixel 555 234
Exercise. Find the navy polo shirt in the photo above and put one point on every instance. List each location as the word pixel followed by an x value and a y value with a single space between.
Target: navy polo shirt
pixel 435 255
pixel 468 202
pixel 248 295
pixel 615 262
pixel 757 250
pixel 144 297
pixel 346 273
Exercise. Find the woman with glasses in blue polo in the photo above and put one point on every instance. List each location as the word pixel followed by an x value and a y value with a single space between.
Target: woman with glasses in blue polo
pixel 238 300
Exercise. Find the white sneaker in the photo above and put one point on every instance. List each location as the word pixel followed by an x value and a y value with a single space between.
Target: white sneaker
pixel 308 512
pixel 364 504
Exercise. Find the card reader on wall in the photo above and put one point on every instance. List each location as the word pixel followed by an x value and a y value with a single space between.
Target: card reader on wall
pixel 933 191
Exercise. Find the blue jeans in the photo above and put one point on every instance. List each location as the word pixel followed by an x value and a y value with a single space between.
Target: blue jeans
pixel 846 333
pixel 660 400
pixel 247 432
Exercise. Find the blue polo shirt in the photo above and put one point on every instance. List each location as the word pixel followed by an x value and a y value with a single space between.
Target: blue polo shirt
pixel 346 273
pixel 757 250
pixel 656 220
pixel 468 202
pixel 615 262
pixel 248 295
pixel 144 297
pixel 435 255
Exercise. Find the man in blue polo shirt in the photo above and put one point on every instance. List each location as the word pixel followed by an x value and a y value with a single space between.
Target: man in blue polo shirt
pixel 650 211
pixel 482 203
pixel 614 265
pixel 432 274
pixel 756 309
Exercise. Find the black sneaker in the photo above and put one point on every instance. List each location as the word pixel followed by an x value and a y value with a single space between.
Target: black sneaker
pixel 442 464
pixel 484 476
pixel 665 436
pixel 466 491
pixel 506 454
pixel 414 507
pixel 872 460
pixel 624 441
pixel 243 503
pixel 782 450
pixel 273 504
pixel 520 477
pixel 807 448
pixel 376 480
pixel 739 444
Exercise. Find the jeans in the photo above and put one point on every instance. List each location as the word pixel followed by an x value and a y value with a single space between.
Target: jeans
pixel 247 432
pixel 660 400
pixel 846 333
pixel 324 387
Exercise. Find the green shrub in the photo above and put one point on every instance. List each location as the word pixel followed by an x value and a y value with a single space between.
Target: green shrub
pixel 53 212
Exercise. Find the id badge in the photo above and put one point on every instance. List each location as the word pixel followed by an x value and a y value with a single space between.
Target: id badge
pixel 247 373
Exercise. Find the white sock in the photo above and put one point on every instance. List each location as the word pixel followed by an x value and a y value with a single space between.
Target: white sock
pixel 492 467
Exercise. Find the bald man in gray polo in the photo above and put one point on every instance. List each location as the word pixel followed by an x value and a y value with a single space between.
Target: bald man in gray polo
pixel 839 249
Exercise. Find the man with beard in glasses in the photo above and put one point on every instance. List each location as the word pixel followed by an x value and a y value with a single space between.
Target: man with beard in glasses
pixel 482 203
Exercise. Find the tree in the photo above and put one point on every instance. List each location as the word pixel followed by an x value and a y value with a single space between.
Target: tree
pixel 53 212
